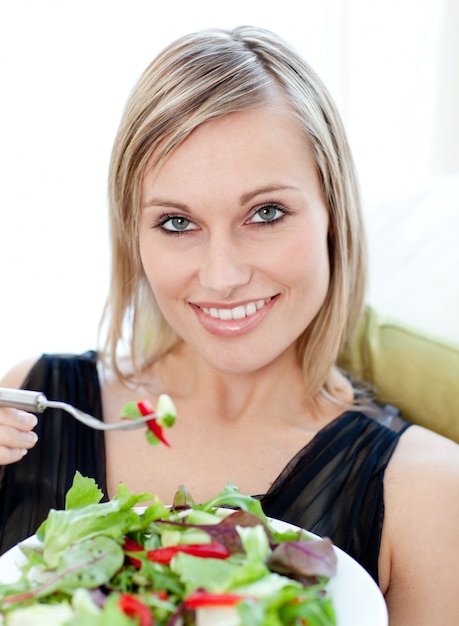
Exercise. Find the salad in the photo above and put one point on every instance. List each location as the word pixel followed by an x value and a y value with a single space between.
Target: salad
pixel 116 564
pixel 162 417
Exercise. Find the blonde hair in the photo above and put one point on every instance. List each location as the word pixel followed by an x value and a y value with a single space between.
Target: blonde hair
pixel 197 78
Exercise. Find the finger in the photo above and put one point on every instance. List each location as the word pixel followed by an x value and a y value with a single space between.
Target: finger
pixel 26 421
pixel 13 438
pixel 21 420
pixel 11 455
pixel 16 436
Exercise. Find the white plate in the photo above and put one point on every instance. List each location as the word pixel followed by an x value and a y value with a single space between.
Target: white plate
pixel 356 597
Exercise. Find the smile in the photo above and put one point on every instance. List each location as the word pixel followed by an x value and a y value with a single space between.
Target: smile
pixel 236 313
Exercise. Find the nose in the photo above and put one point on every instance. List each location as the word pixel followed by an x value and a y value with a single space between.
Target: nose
pixel 225 267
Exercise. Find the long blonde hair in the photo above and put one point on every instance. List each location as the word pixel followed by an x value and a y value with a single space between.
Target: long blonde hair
pixel 200 77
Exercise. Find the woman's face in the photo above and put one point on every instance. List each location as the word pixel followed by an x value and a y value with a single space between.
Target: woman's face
pixel 233 239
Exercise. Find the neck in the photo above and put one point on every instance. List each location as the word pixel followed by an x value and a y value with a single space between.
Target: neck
pixel 275 391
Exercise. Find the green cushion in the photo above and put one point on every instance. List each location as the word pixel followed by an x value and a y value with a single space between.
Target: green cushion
pixel 414 371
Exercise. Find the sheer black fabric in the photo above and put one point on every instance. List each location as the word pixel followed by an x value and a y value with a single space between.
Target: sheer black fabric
pixel 333 486
pixel 29 488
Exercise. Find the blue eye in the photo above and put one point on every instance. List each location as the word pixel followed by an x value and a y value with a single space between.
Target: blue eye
pixel 268 213
pixel 177 224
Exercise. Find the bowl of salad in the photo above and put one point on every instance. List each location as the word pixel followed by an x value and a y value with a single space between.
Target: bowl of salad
pixel 219 563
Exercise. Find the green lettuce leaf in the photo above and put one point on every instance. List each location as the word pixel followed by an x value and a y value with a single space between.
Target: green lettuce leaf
pixel 41 615
pixel 88 614
pixel 87 564
pixel 112 519
pixel 83 491
pixel 230 496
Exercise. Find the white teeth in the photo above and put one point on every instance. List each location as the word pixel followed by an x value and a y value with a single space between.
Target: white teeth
pixel 238 313
pixel 225 314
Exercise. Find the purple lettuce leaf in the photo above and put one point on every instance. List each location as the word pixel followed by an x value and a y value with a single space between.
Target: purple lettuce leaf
pixel 304 559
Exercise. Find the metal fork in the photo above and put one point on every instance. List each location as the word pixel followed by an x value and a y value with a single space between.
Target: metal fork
pixel 37 402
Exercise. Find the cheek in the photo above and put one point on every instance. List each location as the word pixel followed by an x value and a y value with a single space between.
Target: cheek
pixel 306 262
pixel 165 274
pixel 155 267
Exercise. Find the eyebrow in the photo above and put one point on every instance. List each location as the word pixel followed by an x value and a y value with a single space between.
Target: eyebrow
pixel 164 203
pixel 244 199
pixel 247 197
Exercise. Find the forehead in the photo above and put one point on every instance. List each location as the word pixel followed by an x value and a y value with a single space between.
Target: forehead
pixel 238 148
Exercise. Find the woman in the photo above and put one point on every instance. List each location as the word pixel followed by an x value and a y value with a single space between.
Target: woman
pixel 238 276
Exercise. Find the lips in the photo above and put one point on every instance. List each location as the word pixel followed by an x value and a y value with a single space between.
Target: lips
pixel 237 312
pixel 236 320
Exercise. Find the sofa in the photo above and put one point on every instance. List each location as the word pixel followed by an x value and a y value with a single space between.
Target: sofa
pixel 409 368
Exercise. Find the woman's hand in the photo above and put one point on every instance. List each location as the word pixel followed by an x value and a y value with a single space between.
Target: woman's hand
pixel 16 434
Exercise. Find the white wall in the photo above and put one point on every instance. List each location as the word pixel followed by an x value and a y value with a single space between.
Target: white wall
pixel 66 68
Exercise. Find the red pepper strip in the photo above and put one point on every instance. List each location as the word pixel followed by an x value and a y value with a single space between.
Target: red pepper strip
pixel 213 550
pixel 145 409
pixel 132 546
pixel 134 608
pixel 162 595
pixel 157 430
pixel 201 599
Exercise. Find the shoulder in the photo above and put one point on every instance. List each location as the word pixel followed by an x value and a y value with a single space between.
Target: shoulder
pixel 421 528
pixel 422 452
pixel 17 374
pixel 50 364
pixel 423 472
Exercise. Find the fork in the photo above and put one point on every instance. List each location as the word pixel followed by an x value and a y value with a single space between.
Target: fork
pixel 37 402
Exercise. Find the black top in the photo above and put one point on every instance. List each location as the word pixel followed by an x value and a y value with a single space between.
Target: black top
pixel 333 486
